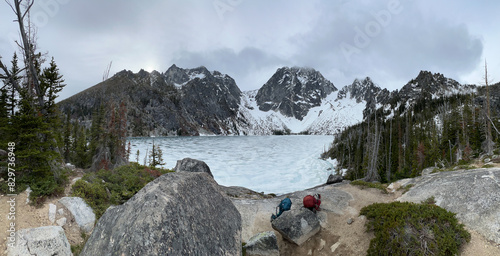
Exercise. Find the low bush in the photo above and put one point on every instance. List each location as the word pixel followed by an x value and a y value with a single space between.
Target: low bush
pixel 364 184
pixel 43 184
pixel 406 188
pixel 113 187
pixel 403 228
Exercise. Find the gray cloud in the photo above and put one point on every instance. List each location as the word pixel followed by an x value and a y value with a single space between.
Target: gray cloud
pixel 242 65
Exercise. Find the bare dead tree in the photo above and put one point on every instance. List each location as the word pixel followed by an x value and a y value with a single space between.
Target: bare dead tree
pixel 26 46
pixel 489 139
pixel 388 171
pixel 372 173
pixel 105 76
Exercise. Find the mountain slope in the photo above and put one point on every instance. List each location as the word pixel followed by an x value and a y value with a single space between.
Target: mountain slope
pixel 202 102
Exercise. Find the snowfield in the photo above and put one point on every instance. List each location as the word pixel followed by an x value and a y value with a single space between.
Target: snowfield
pixel 333 115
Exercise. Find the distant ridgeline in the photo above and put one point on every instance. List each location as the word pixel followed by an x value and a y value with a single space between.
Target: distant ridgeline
pixel 431 121
pixel 202 102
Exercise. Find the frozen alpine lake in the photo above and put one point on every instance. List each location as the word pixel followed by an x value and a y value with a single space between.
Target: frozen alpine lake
pixel 270 164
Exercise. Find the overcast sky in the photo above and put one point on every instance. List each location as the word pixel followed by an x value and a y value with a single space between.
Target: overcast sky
pixel 387 40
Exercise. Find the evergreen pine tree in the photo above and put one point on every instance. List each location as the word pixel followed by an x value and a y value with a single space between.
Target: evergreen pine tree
pixel 156 156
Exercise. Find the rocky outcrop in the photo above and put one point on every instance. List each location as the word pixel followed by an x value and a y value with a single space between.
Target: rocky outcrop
pixel 81 211
pixel 297 225
pixel 474 195
pixel 262 244
pixel 241 192
pixel 332 179
pixel 293 91
pixel 176 214
pixel 49 240
pixel 52 212
pixel 192 165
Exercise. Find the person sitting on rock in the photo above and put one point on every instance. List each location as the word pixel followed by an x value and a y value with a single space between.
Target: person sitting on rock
pixel 312 202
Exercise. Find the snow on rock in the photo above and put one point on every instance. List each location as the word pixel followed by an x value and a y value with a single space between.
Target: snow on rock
pixel 333 115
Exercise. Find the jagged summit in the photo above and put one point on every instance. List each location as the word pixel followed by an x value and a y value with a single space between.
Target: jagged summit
pixel 365 90
pixel 432 85
pixel 293 91
pixel 180 76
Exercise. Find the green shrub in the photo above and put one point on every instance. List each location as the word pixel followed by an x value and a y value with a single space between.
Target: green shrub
pixel 413 229
pixel 45 186
pixel 406 188
pixel 364 184
pixel 42 184
pixel 113 187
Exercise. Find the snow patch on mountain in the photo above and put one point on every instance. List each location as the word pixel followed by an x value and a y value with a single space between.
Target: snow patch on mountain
pixel 334 114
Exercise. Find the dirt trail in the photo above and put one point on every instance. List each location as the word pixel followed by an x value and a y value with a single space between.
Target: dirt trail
pixel 28 216
pixel 337 237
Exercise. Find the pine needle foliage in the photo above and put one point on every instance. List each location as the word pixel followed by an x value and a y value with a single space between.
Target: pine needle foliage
pixel 403 228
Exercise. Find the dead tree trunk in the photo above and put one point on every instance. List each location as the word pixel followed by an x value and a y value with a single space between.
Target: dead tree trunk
pixel 489 140
pixel 372 173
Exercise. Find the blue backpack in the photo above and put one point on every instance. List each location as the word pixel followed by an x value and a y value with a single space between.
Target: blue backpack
pixel 284 205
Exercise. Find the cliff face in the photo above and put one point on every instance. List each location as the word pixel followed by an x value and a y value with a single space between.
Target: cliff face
pixel 293 91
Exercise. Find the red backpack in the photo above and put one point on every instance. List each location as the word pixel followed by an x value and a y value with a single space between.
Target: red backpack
pixel 312 201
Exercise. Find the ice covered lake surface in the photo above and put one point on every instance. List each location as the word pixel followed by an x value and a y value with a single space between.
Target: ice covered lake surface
pixel 270 164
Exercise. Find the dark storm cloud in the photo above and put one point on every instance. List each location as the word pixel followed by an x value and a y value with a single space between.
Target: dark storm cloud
pixel 242 66
pixel 389 41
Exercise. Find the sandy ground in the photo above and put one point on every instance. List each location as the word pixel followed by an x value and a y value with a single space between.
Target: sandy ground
pixel 28 216
pixel 354 240
pixel 337 237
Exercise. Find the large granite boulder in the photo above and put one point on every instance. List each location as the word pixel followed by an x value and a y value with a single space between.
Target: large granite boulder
pixel 49 240
pixel 192 165
pixel 81 211
pixel 297 225
pixel 263 244
pixel 332 179
pixel 474 195
pixel 176 214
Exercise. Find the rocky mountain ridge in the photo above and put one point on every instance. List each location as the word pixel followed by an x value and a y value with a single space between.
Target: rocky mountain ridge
pixel 202 102
pixel 429 85
pixel 293 91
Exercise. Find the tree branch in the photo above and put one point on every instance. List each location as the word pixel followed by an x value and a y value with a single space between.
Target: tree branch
pixel 28 8
pixel 29 55
pixel 493 124
pixel 10 77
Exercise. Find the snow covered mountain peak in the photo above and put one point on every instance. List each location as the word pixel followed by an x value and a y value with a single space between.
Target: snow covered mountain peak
pixel 293 91
pixel 432 85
